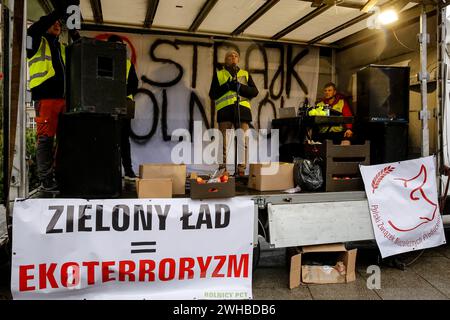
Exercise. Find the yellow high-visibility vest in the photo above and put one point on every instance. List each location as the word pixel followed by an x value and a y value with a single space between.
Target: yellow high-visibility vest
pixel 230 97
pixel 319 111
pixel 128 73
pixel 41 66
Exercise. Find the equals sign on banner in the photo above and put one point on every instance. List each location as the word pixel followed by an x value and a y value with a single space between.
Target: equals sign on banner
pixel 143 247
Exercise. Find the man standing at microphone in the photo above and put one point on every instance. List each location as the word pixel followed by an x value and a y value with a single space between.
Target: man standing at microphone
pixel 227 82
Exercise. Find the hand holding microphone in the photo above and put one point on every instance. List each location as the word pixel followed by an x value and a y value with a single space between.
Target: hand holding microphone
pixel 235 70
pixel 233 82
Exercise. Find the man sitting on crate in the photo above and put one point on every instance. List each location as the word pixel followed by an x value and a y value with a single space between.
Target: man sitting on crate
pixel 333 104
pixel 47 63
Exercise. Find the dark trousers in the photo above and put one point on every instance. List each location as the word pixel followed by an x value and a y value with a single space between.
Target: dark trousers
pixel 125 148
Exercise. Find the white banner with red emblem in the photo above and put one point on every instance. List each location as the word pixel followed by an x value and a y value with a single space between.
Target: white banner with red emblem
pixel 404 205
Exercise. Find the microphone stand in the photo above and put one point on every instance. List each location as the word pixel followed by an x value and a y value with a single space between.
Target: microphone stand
pixel 237 124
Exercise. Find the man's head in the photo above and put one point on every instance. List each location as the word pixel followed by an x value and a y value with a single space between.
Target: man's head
pixel 232 58
pixel 55 29
pixel 115 38
pixel 329 90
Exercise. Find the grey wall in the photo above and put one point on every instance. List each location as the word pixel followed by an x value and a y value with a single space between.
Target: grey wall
pixel 325 71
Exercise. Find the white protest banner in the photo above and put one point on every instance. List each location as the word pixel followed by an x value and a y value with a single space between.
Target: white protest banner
pixel 403 205
pixel 132 249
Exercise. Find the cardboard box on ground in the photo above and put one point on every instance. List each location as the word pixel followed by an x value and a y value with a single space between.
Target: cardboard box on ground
pixel 155 179
pixel 282 180
pixel 320 264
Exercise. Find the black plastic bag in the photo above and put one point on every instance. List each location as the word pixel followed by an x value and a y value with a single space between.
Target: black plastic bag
pixel 308 174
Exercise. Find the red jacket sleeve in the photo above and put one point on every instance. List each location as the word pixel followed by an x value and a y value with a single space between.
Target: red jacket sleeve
pixel 347 112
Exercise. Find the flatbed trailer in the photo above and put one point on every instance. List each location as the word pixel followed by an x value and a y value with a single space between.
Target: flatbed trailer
pixel 286 220
pixel 289 220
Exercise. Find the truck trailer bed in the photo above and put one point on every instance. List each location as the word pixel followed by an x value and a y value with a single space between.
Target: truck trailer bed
pixel 286 220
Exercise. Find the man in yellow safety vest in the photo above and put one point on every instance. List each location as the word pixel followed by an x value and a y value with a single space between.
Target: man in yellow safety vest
pixel 227 81
pixel 333 104
pixel 47 61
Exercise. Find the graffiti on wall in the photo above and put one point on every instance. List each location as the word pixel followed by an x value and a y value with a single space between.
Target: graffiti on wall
pixel 278 76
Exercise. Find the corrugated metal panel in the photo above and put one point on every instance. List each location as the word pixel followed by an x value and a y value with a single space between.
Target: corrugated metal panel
pixel 358 26
pixel 379 3
pixel 124 12
pixel 34 11
pixel 326 21
pixel 346 32
pixel 279 17
pixel 409 6
pixel 361 2
pixel 86 10
pixel 177 14
pixel 228 15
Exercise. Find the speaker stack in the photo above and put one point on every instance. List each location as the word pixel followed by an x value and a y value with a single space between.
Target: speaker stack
pixel 88 162
pixel 382 111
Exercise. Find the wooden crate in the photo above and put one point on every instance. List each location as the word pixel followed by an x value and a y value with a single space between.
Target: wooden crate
pixel 340 164
pixel 351 151
pixel 333 185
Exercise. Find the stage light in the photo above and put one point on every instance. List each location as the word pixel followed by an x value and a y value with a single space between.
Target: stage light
pixel 387 17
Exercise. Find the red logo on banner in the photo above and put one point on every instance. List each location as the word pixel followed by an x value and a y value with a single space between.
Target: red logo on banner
pixel 380 176
pixel 417 193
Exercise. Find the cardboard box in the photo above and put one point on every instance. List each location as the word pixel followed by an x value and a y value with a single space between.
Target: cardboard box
pixel 342 271
pixel 322 274
pixel 154 188
pixel 289 112
pixel 176 172
pixel 282 180
pixel 212 190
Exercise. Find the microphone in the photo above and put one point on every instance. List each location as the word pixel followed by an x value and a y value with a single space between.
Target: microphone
pixel 235 70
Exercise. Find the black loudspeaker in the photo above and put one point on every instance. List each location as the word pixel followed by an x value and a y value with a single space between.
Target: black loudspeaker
pixel 388 141
pixel 96 77
pixel 88 156
pixel 383 93
pixel 292 137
